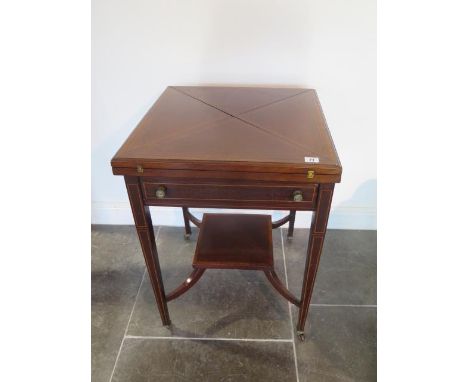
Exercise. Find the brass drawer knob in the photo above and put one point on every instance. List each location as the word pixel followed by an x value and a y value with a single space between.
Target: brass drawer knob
pixel 297 196
pixel 161 192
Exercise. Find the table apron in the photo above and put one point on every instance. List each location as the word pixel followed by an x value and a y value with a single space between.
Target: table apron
pixel 242 204
pixel 222 195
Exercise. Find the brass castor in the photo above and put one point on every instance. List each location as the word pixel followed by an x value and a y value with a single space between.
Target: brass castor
pixel 290 238
pixel 301 336
pixel 187 236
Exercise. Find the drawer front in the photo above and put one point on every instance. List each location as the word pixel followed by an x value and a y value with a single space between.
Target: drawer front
pixel 230 196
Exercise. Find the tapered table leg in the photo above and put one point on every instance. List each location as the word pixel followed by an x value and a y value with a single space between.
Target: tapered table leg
pixel 188 229
pixel 292 219
pixel 314 248
pixel 144 227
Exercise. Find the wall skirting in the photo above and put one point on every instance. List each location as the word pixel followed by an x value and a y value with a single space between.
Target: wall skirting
pixel 348 217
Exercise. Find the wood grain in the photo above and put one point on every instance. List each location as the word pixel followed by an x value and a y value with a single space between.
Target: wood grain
pixel 232 147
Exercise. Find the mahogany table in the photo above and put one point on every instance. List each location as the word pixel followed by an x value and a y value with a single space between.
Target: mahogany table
pixel 232 147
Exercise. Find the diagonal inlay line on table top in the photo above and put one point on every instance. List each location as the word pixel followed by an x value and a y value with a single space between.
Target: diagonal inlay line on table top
pixel 196 128
pixel 213 125
pixel 269 132
pixel 187 130
pixel 284 94
pixel 276 101
pixel 219 97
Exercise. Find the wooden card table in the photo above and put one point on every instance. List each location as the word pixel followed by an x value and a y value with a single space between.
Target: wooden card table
pixel 232 147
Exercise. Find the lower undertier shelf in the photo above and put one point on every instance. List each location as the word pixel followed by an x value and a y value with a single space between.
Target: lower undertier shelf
pixel 235 241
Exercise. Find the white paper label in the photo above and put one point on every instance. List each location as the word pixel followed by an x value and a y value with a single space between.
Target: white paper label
pixel 311 159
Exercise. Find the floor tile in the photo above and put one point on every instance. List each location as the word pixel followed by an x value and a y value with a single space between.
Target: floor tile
pixel 192 360
pixel 224 303
pixel 117 267
pixel 340 342
pixel 340 345
pixel 347 272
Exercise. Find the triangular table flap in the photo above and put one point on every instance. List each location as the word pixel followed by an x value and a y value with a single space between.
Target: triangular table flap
pixel 300 120
pixel 274 128
pixel 230 140
pixel 173 114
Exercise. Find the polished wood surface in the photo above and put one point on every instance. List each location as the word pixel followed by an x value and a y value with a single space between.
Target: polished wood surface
pixel 144 227
pixel 200 193
pixel 234 241
pixel 229 128
pixel 232 147
pixel 314 250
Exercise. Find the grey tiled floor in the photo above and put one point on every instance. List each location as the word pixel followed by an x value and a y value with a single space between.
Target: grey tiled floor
pixel 232 326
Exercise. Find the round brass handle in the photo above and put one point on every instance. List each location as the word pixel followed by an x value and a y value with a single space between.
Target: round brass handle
pixel 297 196
pixel 161 192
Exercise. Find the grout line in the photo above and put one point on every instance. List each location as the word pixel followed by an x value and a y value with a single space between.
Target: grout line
pixel 291 340
pixel 126 329
pixel 209 339
pixel 289 306
pixel 346 305
pixel 131 315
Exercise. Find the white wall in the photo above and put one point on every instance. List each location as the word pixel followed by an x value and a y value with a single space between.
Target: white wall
pixel 141 46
